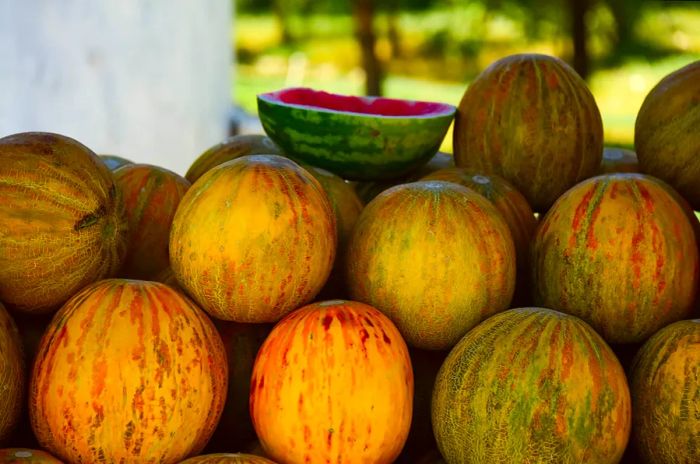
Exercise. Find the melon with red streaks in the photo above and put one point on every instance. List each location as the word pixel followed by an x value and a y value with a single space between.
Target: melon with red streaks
pixel 333 383
pixel 127 371
pixel 618 251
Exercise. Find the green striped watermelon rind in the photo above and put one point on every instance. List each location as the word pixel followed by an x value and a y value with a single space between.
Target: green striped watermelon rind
pixel 354 145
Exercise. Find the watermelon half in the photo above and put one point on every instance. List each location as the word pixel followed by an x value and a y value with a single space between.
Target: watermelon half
pixel 357 138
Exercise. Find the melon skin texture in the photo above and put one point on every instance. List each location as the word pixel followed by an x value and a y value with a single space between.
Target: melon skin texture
pixel 666 134
pixel 508 201
pixel 436 257
pixel 12 375
pixel 618 251
pixel 128 371
pixel 515 210
pixel 387 141
pixel 530 119
pixel 253 239
pixel 62 222
pixel 531 385
pixel 231 148
pixel 333 383
pixel 227 458
pixel 665 386
pixel 151 197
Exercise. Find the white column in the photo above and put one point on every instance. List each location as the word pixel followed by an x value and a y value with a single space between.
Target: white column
pixel 148 80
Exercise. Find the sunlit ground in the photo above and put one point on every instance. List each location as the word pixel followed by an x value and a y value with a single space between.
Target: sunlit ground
pixel 443 50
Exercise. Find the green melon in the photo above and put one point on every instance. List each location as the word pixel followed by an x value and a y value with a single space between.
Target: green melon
pixel 531 385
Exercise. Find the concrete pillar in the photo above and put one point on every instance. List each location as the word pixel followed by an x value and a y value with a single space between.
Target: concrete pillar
pixel 148 80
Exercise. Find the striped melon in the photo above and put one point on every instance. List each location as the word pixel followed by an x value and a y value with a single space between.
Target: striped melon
pixel 515 210
pixel 618 251
pixel 666 134
pixel 531 385
pixel 127 371
pixel 665 385
pixel 253 239
pixel 151 195
pixel 332 383
pixel 62 223
pixel 530 119
pixel 434 256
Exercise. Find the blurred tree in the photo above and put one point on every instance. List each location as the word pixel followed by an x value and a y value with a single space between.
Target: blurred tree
pixel 577 15
pixel 282 10
pixel 626 13
pixel 392 11
pixel 363 13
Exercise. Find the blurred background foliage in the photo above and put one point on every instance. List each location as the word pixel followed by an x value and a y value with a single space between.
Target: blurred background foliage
pixel 432 49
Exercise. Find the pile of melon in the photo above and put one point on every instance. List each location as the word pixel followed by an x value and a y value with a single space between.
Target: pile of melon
pixel 337 291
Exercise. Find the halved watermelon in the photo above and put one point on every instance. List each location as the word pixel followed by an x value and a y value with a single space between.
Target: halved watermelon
pixel 358 138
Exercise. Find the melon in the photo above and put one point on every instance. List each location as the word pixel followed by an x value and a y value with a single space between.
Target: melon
pixel 151 196
pixel 515 210
pixel 332 383
pixel 508 201
pixel 358 138
pixel 12 375
pixel 62 223
pixel 20 455
pixel 231 148
pixel 253 239
pixel 434 256
pixel 618 251
pixel 665 386
pixel 227 458
pixel 531 385
pixel 530 119
pixel 128 371
pixel 616 159
pixel 666 134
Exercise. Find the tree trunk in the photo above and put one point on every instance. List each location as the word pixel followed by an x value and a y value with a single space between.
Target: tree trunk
pixel 282 15
pixel 578 9
pixel 393 28
pixel 363 11
pixel 625 16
